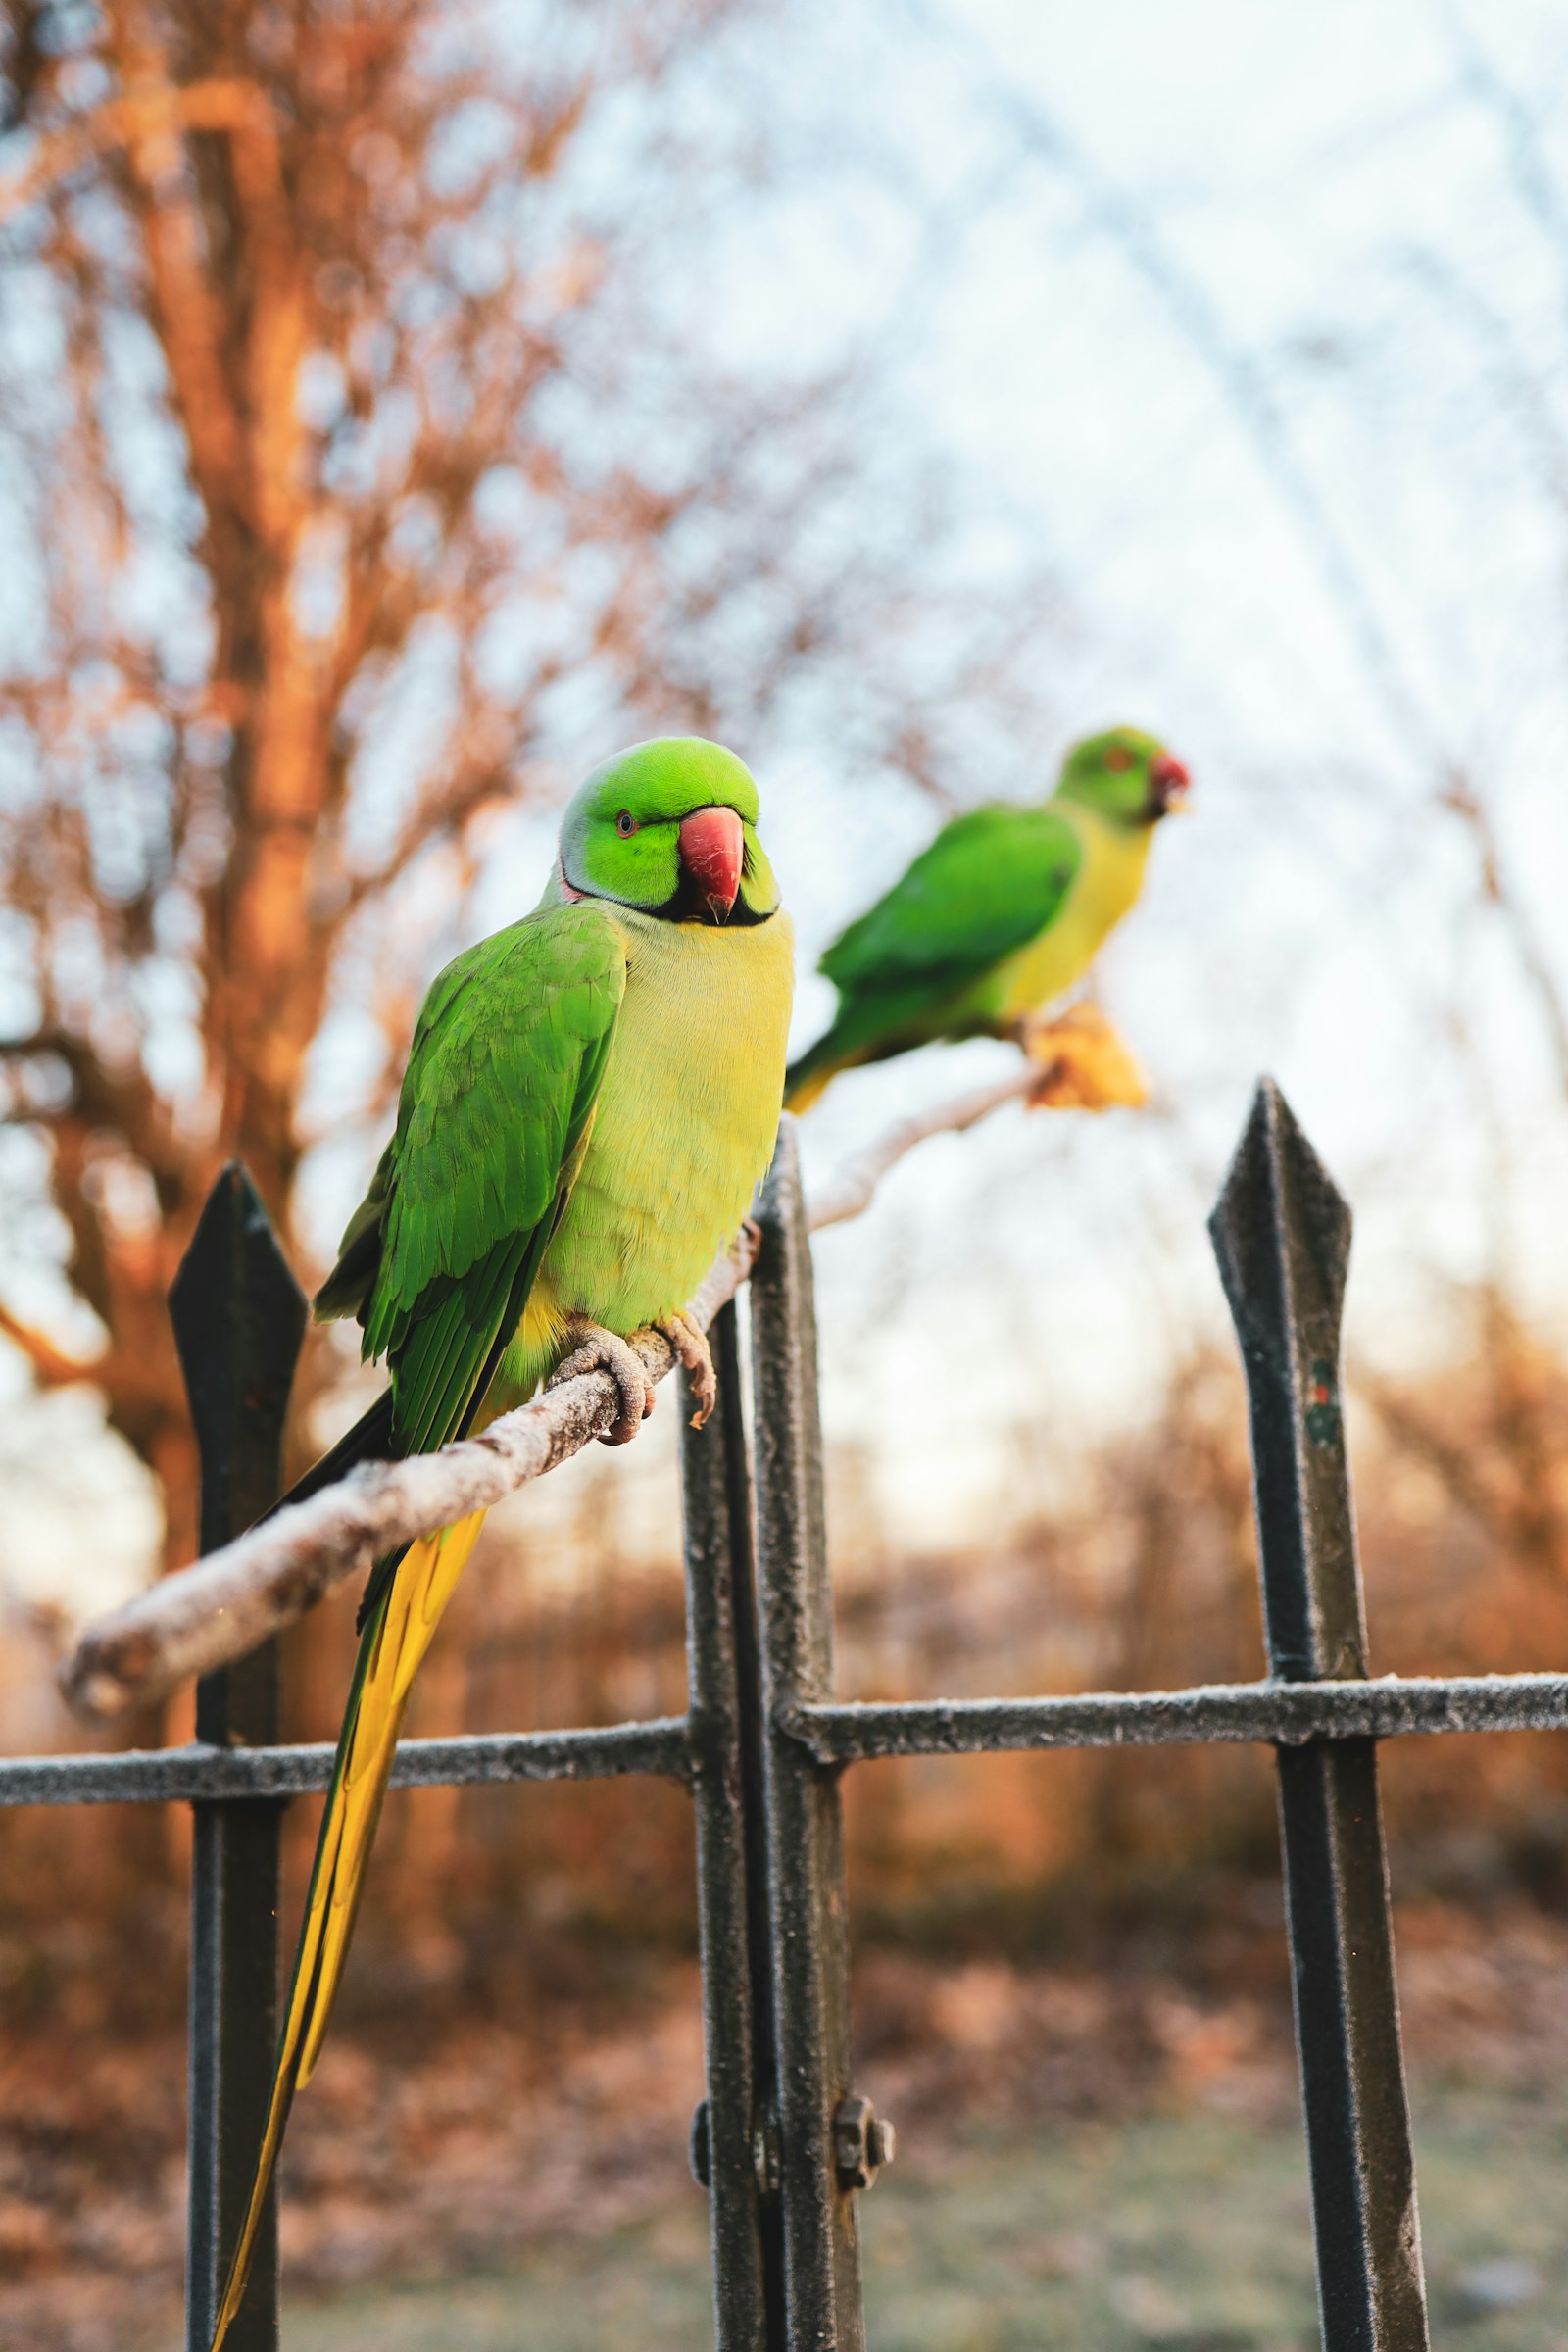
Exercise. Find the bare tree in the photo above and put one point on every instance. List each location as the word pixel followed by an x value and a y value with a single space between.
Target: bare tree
pixel 363 470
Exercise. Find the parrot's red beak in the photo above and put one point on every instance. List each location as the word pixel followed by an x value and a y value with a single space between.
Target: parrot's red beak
pixel 1168 786
pixel 712 851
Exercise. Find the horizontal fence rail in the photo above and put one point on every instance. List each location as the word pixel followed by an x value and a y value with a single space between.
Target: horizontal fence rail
pixel 164 1775
pixel 1266 1714
pixel 1277 1714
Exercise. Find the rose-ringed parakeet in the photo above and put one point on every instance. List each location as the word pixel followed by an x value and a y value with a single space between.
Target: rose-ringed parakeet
pixel 1004 910
pixel 591 1098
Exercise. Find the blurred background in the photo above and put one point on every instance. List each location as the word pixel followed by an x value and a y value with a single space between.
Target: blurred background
pixel 406 402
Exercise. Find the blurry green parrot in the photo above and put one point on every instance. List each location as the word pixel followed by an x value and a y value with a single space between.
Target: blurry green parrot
pixel 591 1098
pixel 1002 912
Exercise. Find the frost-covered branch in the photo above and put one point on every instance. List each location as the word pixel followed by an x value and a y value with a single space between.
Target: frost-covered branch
pixel 210 1615
pixel 1074 1063
pixel 851 1193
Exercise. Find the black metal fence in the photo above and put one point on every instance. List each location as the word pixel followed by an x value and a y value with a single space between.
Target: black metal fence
pixel 783 2141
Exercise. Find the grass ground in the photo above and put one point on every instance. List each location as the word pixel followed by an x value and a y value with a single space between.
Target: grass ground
pixel 1182 2230
pixel 1105 2154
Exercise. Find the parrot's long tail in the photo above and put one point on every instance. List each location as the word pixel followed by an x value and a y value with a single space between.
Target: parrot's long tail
pixel 406 1597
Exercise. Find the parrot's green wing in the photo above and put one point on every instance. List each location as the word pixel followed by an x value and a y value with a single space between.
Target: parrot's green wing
pixel 989 884
pixel 501 1076
pixel 500 1089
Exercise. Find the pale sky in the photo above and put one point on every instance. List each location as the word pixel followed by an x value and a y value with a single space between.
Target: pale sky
pixel 1254 323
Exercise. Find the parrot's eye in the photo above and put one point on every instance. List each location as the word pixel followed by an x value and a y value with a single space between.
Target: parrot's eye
pixel 1117 758
pixel 625 824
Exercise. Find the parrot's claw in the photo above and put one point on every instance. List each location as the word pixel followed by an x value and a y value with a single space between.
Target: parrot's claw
pixel 601 1350
pixel 691 1349
pixel 1084 1064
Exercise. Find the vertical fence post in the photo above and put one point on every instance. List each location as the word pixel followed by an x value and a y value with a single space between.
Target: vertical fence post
pixel 239 1317
pixel 807 1905
pixel 733 2134
pixel 1282 1235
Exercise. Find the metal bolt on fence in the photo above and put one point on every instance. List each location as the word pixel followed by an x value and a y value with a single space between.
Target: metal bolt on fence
pixel 862 2142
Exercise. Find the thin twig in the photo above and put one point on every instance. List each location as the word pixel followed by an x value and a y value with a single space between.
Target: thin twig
pixel 51 1367
pixel 1075 1061
pixel 853 1190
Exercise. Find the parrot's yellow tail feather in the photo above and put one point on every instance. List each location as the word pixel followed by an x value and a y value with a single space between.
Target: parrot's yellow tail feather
pixel 425 1581
pixel 392 1648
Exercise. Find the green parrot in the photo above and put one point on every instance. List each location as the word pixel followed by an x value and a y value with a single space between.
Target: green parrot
pixel 591 1100
pixel 1004 910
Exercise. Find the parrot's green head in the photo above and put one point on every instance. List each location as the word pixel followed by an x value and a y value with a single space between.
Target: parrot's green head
pixel 1124 777
pixel 670 827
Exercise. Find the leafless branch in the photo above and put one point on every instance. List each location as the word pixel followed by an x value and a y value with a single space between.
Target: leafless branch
pixel 1455 1461
pixel 1461 798
pixel 236 106
pixel 1076 1062
pixel 51 1367
pixel 221 1609
pixel 1132 226
pixel 852 1195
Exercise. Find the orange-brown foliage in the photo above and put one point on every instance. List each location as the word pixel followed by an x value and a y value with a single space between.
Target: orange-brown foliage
pixel 1146 1581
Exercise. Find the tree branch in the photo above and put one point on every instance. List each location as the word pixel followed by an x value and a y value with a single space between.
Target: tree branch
pixel 50 1366
pixel 236 106
pixel 1460 798
pixel 1074 1063
pixel 853 1190
pixel 123 1102
pixel 221 1609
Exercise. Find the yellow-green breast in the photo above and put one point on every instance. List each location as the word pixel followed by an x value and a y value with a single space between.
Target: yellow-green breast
pixel 682 1132
pixel 1106 886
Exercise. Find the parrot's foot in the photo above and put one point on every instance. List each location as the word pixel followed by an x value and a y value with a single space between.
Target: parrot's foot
pixel 691 1349
pixel 601 1350
pixel 1084 1064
